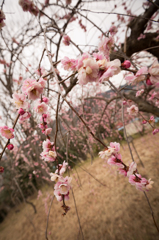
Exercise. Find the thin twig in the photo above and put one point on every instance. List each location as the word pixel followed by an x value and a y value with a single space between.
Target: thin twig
pixel 79 222
pixel 47 223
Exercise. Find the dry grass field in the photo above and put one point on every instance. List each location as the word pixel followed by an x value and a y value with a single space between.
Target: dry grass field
pixel 116 211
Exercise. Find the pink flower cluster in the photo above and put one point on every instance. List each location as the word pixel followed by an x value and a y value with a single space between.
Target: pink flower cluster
pixel 48 154
pixel 105 45
pixel 63 185
pixel 138 77
pixel 114 158
pixel 7 132
pixel 2 18
pixel 97 67
pixel 151 75
pixel 28 6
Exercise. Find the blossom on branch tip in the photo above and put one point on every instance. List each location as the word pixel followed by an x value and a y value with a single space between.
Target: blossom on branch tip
pixel 66 40
pixel 156 130
pixel 21 111
pixel 140 183
pixel 7 132
pixel 62 187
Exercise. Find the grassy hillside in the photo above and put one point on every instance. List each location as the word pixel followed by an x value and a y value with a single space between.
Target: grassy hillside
pixel 116 211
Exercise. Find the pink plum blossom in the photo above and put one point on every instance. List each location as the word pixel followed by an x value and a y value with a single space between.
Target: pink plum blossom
pixel 116 146
pixel 154 72
pixel 116 160
pixel 80 60
pixel 88 72
pixel 113 30
pixel 149 184
pixel 98 56
pixel 138 77
pixel 105 45
pixel 66 40
pixel 133 110
pixel 113 149
pixel 148 82
pixel 140 183
pixel 156 130
pixel 62 168
pixel 24 117
pixel 139 93
pixel 107 153
pixel 7 132
pixel 69 64
pixel 48 154
pixel 20 101
pixel 41 108
pixel 55 177
pixel 113 68
pixel 132 169
pixel 46 118
pixel 152 119
pixel 47 145
pixel 62 187
pixel 33 88
pixel 47 131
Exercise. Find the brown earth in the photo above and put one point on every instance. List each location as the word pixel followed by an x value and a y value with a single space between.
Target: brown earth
pixel 116 211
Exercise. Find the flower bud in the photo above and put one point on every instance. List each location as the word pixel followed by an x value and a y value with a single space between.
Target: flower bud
pixel 126 64
pixel 144 121
pixel 148 82
pixel 1 169
pixel 10 146
pixel 21 111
